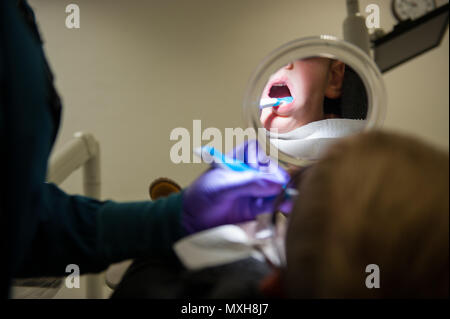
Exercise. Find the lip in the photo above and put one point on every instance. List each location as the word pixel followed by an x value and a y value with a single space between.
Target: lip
pixel 284 110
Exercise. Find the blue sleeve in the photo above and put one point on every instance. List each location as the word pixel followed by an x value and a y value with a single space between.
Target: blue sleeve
pixel 73 229
pixel 42 228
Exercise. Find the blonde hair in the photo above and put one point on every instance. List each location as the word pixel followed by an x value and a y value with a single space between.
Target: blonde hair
pixel 376 198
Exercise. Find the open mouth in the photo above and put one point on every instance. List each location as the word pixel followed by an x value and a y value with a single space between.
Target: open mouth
pixel 279 90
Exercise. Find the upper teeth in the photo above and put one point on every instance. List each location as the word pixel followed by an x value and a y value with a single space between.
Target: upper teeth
pixel 279 84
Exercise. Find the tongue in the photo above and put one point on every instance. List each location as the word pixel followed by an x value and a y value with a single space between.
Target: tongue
pixel 279 91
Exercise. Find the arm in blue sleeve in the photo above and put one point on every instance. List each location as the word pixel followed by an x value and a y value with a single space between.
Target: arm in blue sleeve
pixel 73 229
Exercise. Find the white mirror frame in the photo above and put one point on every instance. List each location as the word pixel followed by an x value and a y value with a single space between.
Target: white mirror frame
pixel 317 46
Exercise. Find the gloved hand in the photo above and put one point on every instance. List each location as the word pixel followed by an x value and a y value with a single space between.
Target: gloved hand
pixel 252 153
pixel 221 196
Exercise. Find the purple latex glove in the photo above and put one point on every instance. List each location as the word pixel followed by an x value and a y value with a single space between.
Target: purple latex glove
pixel 221 196
pixel 252 153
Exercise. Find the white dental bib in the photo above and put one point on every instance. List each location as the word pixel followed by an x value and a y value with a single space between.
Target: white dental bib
pixel 311 140
pixel 226 244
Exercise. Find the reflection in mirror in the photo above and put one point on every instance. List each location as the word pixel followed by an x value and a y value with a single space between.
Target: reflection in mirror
pixel 309 102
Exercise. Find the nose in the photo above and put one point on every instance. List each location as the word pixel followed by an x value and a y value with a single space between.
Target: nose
pixel 290 66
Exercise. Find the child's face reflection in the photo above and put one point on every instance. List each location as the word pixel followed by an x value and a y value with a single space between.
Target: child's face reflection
pixel 308 81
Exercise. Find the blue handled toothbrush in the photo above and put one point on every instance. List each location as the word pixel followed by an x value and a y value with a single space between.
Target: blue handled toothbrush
pixel 275 101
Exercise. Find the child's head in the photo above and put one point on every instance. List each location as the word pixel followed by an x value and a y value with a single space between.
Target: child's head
pixel 309 82
pixel 375 198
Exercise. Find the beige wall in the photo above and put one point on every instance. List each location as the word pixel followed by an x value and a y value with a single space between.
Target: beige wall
pixel 137 69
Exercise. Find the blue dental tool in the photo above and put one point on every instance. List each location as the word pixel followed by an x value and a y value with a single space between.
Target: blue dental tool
pixel 275 101
pixel 210 154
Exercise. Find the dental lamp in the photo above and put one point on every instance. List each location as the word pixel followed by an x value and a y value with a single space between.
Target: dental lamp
pixel 409 38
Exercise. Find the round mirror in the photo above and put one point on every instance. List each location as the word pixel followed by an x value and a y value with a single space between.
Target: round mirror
pixel 310 92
